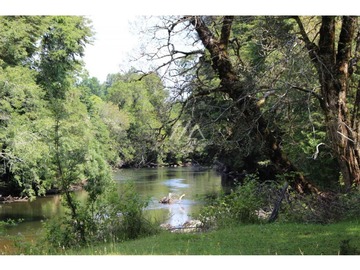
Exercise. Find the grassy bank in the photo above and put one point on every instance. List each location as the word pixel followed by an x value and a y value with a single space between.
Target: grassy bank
pixel 266 239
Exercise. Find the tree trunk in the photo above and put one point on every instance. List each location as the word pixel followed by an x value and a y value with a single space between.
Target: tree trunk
pixel 334 76
pixel 232 86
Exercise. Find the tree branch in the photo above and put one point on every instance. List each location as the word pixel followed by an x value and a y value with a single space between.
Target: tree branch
pixel 311 46
pixel 320 98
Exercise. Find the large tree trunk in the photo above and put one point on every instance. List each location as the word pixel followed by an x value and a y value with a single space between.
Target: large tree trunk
pixel 232 86
pixel 333 64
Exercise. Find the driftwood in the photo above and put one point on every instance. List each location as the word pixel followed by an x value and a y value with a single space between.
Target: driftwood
pixel 170 199
pixel 10 199
pixel 275 213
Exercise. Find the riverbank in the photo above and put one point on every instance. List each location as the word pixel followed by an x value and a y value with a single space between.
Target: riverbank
pixel 261 239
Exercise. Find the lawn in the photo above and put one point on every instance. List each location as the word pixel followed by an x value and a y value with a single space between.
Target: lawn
pixel 264 239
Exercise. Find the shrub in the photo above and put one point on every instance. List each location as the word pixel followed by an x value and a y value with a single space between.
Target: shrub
pixel 122 216
pixel 117 215
pixel 321 208
pixel 240 206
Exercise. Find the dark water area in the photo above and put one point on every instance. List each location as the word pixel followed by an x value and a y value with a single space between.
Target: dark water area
pixel 151 183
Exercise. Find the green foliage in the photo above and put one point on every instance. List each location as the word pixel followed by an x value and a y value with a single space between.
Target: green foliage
pixel 90 86
pixel 8 223
pixel 62 45
pixel 275 72
pixel 112 126
pixel 240 206
pixel 144 104
pixel 24 119
pixel 127 210
pixel 307 145
pixel 323 209
pixel 34 118
pixel 78 157
pixel 116 216
pixel 19 37
pixel 60 133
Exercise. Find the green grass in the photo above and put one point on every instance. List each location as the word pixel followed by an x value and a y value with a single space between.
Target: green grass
pixel 265 239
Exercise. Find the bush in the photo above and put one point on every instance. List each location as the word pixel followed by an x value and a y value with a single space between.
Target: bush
pixel 122 216
pixel 321 208
pixel 240 206
pixel 117 216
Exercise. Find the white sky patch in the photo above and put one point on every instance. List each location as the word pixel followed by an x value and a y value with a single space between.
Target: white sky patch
pixel 113 42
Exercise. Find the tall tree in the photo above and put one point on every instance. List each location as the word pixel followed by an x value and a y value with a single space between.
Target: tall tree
pixel 335 55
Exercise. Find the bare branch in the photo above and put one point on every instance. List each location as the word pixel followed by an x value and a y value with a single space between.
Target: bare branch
pixel 312 92
pixel 312 48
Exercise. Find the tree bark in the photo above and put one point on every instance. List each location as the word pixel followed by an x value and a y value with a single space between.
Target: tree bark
pixel 232 86
pixel 333 70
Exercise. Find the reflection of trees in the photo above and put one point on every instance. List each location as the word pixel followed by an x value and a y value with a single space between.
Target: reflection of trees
pixel 43 207
pixel 50 206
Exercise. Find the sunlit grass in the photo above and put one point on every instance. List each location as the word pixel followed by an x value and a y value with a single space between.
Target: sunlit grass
pixel 265 239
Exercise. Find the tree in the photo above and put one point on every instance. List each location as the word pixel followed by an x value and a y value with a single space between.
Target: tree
pixel 20 35
pixel 144 101
pixel 234 83
pixel 336 60
pixel 62 46
pixel 24 121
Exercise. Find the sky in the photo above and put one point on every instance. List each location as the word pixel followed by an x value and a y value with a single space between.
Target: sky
pixel 112 45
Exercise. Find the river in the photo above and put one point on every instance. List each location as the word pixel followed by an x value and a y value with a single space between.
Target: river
pixel 152 183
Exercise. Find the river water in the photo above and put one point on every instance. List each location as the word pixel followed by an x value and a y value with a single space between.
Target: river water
pixel 151 183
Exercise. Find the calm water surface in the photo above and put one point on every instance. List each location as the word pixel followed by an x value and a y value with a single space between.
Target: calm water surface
pixel 158 183
pixel 152 183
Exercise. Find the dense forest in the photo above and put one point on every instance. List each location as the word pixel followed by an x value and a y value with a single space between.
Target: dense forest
pixel 275 97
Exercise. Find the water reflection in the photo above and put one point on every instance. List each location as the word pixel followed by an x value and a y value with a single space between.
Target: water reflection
pixel 37 210
pixel 178 214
